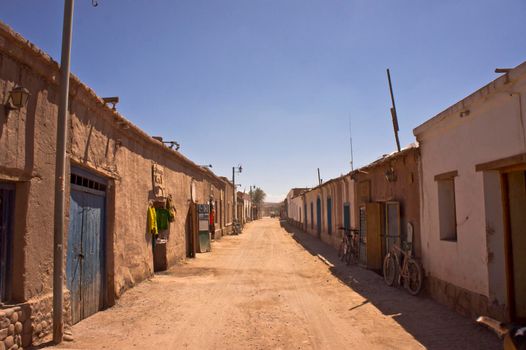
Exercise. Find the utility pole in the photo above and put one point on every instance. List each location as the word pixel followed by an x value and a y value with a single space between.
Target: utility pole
pixel 60 174
pixel 319 178
pixel 394 116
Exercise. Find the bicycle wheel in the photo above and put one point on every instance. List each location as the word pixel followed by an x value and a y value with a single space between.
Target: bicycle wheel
pixel 390 269
pixel 413 283
pixel 352 254
pixel 341 250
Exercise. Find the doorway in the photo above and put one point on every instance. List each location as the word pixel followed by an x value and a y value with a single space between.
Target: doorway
pixel 515 217
pixel 347 216
pixel 191 231
pixel 318 215
pixel 85 262
pixel 7 203
pixel 305 216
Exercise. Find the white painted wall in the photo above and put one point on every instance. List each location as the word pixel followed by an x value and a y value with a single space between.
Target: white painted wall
pixel 493 130
pixel 295 204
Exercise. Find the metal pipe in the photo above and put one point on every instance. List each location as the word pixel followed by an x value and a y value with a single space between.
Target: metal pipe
pixel 60 174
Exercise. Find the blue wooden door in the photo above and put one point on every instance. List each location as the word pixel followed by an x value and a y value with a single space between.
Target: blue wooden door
pixel 85 256
pixel 305 215
pixel 311 215
pixel 318 215
pixel 329 215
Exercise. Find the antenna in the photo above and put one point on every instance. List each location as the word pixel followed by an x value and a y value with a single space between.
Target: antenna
pixel 393 112
pixel 350 141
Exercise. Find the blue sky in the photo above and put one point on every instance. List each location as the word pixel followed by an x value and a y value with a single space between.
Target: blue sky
pixel 271 84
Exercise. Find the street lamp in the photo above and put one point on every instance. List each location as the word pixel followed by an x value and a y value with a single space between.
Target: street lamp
pixel 252 190
pixel 235 170
pixel 17 99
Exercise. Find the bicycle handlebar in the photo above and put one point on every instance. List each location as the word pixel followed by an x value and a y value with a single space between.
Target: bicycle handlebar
pixel 348 229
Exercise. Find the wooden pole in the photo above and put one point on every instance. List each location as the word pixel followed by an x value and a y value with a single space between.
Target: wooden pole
pixel 394 116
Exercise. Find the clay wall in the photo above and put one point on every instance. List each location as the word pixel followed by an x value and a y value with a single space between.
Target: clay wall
pixel 405 189
pixel 100 141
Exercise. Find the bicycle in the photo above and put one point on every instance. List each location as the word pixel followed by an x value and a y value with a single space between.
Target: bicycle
pixel 236 227
pixel 349 247
pixel 409 272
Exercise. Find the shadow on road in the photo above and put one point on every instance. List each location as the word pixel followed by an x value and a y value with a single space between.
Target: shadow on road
pixel 433 325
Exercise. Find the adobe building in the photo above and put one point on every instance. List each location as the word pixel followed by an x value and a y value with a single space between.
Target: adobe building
pixel 387 205
pixel 327 208
pixel 116 172
pixel 474 199
pixel 294 206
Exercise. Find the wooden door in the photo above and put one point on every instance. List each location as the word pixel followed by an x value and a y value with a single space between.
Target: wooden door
pixel 329 216
pixel 392 226
pixel 363 236
pixel 516 222
pixel 318 215
pixel 305 216
pixel 6 225
pixel 85 254
pixel 374 219
pixel 191 231
pixel 347 216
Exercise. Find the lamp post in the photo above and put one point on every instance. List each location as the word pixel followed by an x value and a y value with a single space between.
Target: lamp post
pixel 60 174
pixel 252 189
pixel 235 170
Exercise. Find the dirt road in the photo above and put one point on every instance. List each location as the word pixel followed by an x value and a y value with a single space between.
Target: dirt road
pixel 268 289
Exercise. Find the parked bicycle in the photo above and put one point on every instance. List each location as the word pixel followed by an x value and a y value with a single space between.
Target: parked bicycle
pixel 349 247
pixel 402 268
pixel 236 227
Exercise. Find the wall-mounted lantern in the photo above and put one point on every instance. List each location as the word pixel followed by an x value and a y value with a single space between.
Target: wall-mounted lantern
pixel 17 99
pixel 390 175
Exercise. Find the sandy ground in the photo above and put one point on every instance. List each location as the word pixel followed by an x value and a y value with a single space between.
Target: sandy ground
pixel 268 289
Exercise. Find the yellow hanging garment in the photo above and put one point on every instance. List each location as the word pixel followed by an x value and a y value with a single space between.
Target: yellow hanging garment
pixel 152 221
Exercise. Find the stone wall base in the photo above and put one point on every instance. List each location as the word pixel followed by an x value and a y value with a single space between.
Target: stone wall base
pixel 463 301
pixel 30 323
pixel 15 327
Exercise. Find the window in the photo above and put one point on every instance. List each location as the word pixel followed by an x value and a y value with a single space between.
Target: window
pixel 446 206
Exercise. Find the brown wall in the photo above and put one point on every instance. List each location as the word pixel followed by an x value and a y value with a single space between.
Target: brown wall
pixel 404 190
pixel 103 142
pixel 335 190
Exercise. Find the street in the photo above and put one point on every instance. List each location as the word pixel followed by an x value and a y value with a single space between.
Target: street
pixel 268 289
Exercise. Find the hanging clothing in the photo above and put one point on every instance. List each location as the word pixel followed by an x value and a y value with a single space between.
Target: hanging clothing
pixel 152 221
pixel 212 216
pixel 171 209
pixel 162 216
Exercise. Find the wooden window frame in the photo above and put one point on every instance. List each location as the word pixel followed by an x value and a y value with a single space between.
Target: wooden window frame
pixel 447 176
